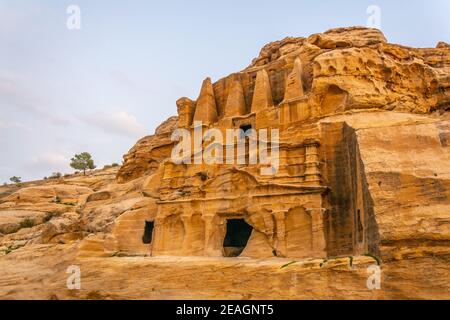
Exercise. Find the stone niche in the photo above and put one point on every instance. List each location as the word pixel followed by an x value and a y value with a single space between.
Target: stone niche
pixel 133 230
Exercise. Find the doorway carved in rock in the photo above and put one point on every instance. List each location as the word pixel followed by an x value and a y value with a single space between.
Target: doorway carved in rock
pixel 238 233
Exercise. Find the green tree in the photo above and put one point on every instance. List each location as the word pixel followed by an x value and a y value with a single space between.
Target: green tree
pixel 15 179
pixel 82 161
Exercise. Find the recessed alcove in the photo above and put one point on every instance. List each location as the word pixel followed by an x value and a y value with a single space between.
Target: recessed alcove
pixel 236 238
pixel 148 232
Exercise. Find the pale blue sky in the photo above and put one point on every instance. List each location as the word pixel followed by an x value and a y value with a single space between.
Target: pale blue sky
pixel 100 88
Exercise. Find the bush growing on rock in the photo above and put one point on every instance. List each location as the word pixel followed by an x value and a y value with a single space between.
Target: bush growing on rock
pixel 112 165
pixel 56 175
pixel 27 223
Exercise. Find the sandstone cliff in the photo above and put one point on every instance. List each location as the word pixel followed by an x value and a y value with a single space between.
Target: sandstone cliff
pixel 364 179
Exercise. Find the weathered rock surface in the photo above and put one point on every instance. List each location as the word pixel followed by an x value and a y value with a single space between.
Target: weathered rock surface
pixel 363 179
pixel 145 156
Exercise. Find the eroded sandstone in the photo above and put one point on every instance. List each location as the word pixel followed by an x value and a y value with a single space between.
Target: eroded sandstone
pixel 363 179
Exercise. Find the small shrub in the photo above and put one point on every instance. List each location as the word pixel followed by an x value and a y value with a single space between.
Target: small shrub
pixel 56 175
pixel 373 257
pixel 49 216
pixel 323 262
pixel 27 223
pixel 288 264
pixel 184 193
pixel 13 230
pixel 10 249
pixel 114 165
pixel 107 166
pixel 203 176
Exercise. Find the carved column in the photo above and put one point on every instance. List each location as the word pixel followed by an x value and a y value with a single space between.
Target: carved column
pixel 187 239
pixel 318 232
pixel 312 163
pixel 280 218
pixel 210 248
pixel 157 245
pixel 269 226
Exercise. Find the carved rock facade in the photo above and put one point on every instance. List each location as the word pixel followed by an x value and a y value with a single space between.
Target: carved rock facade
pixel 317 204
pixel 364 152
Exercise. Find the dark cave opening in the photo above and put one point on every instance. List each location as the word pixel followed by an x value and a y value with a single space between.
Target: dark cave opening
pixel 148 232
pixel 236 238
pixel 245 128
pixel 244 134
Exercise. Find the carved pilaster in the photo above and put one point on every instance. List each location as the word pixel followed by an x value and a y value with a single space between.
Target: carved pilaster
pixel 312 162
pixel 186 219
pixel 280 243
pixel 158 230
pixel 209 249
pixel 318 232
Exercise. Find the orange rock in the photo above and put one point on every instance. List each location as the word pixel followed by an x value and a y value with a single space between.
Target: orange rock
pixel 364 138
pixel 206 110
pixel 262 96
pixel 235 102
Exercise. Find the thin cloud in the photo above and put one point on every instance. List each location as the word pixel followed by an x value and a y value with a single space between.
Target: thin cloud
pixel 13 125
pixel 15 93
pixel 119 123
pixel 123 79
pixel 48 162
pixel 16 18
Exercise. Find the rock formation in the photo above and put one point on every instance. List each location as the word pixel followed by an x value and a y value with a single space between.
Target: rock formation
pixel 294 82
pixel 362 179
pixel 205 109
pixel 235 101
pixel 262 96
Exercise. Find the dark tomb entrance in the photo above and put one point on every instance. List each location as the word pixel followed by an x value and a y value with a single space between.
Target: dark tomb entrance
pixel 245 135
pixel 148 232
pixel 245 128
pixel 236 238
